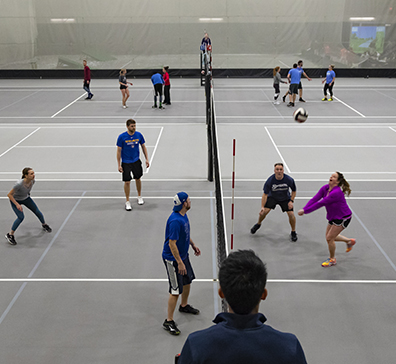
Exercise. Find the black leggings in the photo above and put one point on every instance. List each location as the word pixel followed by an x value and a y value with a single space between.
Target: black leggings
pixel 328 87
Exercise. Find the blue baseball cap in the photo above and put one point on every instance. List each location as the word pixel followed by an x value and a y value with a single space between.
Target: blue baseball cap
pixel 178 201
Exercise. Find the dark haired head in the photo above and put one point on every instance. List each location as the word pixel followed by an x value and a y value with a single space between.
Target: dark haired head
pixel 166 68
pixel 243 277
pixel 25 171
pixel 278 164
pixel 295 65
pixel 300 62
pixel 130 121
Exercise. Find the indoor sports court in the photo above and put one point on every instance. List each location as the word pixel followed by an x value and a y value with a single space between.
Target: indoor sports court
pixel 95 289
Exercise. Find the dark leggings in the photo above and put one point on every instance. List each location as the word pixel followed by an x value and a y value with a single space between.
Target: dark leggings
pixel 29 203
pixel 328 87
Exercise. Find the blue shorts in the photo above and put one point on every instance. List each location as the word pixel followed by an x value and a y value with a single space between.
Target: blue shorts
pixel 176 280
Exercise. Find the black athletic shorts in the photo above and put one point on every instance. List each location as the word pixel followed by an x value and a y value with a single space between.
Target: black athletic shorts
pixel 271 204
pixel 300 86
pixel 293 89
pixel 136 169
pixel 276 87
pixel 176 280
pixel 122 87
pixel 158 89
pixel 341 222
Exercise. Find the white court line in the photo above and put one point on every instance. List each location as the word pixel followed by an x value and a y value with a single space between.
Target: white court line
pixel 392 129
pixel 72 146
pixel 336 146
pixel 386 198
pixel 19 142
pixel 342 102
pixel 155 149
pixel 279 153
pixel 271 103
pixel 142 104
pixel 68 105
pixel 200 280
pixel 385 94
pixel 5 107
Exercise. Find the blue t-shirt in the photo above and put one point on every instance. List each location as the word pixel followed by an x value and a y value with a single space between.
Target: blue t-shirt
pixel 157 78
pixel 129 145
pixel 279 189
pixel 329 76
pixel 177 228
pixel 295 75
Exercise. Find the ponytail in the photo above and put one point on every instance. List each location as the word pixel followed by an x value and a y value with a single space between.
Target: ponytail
pixel 275 71
pixel 344 185
pixel 25 171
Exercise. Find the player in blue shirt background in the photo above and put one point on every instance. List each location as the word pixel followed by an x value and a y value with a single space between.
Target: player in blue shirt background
pixel 330 78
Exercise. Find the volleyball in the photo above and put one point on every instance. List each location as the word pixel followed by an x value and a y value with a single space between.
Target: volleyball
pixel 300 115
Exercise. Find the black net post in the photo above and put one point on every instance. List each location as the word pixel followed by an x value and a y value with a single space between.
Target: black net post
pixel 209 126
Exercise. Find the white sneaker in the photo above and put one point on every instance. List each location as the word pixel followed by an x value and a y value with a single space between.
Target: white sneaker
pixel 128 206
pixel 276 102
pixel 124 106
pixel 140 200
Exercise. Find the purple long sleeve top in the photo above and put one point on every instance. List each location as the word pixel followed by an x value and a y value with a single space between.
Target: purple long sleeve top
pixel 335 203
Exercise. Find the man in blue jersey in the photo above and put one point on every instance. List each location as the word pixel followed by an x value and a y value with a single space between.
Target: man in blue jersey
pixel 294 78
pixel 157 81
pixel 330 78
pixel 241 335
pixel 128 159
pixel 177 262
pixel 277 192
pixel 302 73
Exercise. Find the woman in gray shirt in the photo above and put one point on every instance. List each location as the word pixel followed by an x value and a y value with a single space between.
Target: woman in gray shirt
pixel 20 195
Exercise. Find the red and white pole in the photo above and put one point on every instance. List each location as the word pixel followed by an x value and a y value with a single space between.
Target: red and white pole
pixel 233 194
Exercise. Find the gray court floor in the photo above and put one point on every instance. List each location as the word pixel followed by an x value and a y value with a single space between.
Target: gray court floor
pixel 95 290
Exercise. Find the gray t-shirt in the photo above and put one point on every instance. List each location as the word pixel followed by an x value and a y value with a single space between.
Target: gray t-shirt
pixel 21 191
pixel 277 78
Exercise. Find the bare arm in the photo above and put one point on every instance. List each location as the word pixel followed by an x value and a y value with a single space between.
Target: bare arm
pixel 175 252
pixel 291 202
pixel 197 251
pixel 12 199
pixel 146 155
pixel 119 159
pixel 309 79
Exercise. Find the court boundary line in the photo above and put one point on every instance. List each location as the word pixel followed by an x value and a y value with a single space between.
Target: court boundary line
pixel 392 129
pixel 279 153
pixel 155 149
pixel 378 245
pixel 15 102
pixel 361 198
pixel 141 104
pixel 273 105
pixel 20 142
pixel 344 103
pixel 11 304
pixel 67 105
pixel 198 280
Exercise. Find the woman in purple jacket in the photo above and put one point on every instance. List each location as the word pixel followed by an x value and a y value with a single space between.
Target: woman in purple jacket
pixel 332 196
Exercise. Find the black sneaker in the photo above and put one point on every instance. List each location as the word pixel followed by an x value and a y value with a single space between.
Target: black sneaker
pixel 92 95
pixel 161 107
pixel 301 99
pixel 284 98
pixel 11 239
pixel 290 104
pixel 154 106
pixel 189 309
pixel 255 228
pixel 47 228
pixel 293 236
pixel 88 98
pixel 171 327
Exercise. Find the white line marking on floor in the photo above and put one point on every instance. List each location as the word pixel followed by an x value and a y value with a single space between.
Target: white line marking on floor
pixel 200 280
pixel 279 153
pixel 5 107
pixel 19 142
pixel 344 103
pixel 67 105
pixel 155 149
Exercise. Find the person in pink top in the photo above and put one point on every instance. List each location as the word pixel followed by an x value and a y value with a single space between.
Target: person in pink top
pixel 167 100
pixel 339 215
